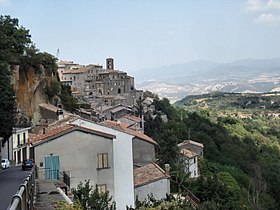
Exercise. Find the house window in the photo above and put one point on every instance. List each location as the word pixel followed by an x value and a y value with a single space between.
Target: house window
pixel 102 160
pixel 102 188
pixel 194 172
pixel 24 138
pixel 18 140
pixel 194 160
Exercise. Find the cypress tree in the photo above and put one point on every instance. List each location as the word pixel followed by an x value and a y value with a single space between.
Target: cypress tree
pixel 7 103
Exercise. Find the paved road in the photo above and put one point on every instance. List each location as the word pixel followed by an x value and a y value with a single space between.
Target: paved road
pixel 10 179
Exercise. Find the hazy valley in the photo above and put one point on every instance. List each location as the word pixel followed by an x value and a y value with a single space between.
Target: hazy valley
pixel 200 77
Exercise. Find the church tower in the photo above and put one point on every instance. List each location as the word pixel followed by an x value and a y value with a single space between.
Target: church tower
pixel 110 63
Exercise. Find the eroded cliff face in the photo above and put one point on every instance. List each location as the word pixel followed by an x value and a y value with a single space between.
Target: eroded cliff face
pixel 29 88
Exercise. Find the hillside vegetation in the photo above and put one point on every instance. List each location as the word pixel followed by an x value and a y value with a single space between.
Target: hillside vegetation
pixel 241 135
pixel 27 75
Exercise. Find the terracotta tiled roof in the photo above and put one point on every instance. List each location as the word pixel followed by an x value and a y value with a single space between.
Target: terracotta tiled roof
pixel 147 174
pixel 123 128
pixel 188 153
pixel 60 131
pixel 186 142
pixel 135 118
pixel 53 108
pixel 51 133
pixel 47 126
pixel 65 62
pixel 119 108
pixel 82 69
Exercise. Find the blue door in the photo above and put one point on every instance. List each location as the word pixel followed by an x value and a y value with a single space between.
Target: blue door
pixel 52 167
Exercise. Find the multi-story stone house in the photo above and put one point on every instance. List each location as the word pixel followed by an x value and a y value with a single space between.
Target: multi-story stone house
pixel 65 66
pixel 191 152
pixel 190 162
pixel 192 146
pixel 79 79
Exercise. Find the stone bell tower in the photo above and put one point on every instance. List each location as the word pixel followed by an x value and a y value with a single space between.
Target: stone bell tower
pixel 110 63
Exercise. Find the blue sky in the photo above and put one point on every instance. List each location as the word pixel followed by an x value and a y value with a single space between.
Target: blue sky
pixel 149 33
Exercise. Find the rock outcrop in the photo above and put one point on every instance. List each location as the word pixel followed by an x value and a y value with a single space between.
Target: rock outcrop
pixel 30 91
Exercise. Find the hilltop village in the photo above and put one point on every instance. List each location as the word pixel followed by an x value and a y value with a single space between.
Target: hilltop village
pixel 102 141
pixel 103 89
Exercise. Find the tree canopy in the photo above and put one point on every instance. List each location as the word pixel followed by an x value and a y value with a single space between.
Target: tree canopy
pixel 17 48
pixel 14 40
pixel 7 103
pixel 233 148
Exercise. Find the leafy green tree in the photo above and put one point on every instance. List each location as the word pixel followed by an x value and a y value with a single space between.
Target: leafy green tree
pixel 164 106
pixel 168 149
pixel 214 190
pixel 139 107
pixel 179 175
pixel 170 203
pixel 92 199
pixel 53 89
pixel 14 40
pixel 150 94
pixel 69 102
pixel 62 205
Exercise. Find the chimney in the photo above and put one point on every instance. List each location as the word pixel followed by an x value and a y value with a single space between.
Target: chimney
pixel 167 169
pixel 59 114
pixel 110 63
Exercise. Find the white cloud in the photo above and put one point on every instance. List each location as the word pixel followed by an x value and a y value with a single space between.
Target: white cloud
pixel 268 19
pixel 261 5
pixel 267 11
pixel 253 5
pixel 4 3
pixel 273 4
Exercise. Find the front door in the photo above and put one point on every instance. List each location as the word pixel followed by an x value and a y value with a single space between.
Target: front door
pixel 52 167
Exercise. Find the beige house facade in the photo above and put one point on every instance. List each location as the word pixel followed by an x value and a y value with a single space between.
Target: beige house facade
pixel 83 153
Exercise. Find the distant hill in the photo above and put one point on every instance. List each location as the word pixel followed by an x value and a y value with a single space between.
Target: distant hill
pixel 199 77
pixel 219 100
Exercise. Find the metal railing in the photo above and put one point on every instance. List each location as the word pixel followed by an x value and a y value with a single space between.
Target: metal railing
pixel 50 174
pixel 191 197
pixel 24 197
pixel 47 173
pixel 66 179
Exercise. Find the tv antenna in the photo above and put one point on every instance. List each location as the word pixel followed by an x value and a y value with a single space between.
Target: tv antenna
pixel 57 53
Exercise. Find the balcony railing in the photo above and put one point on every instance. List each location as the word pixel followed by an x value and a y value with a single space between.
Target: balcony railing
pixel 47 174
